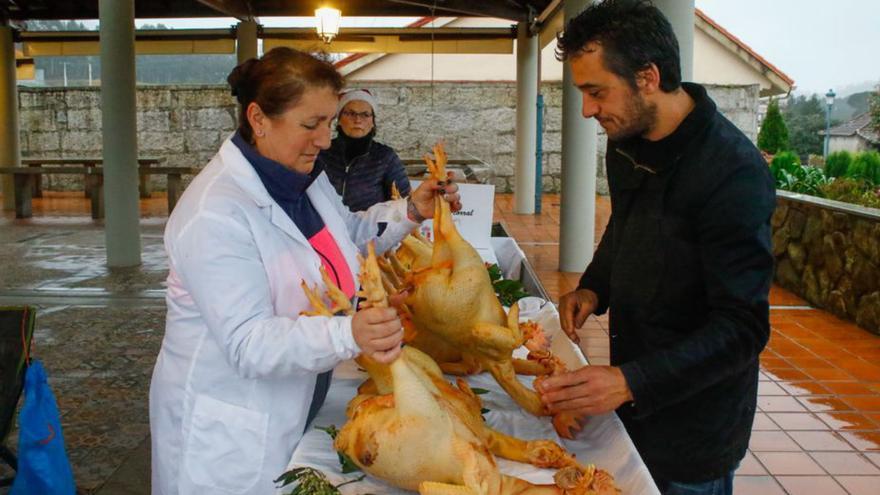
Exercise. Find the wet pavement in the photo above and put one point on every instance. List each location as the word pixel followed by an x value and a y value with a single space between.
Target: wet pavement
pixel 98 332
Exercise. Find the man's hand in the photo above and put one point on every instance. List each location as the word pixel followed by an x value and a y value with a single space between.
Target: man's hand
pixel 378 333
pixel 422 199
pixel 574 308
pixel 591 390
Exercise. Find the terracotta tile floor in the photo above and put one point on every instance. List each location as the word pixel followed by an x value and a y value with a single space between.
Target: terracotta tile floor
pixel 818 426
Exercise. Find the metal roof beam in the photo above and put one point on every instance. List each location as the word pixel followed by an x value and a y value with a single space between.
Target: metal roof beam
pixel 506 10
pixel 140 35
pixel 240 9
pixel 350 40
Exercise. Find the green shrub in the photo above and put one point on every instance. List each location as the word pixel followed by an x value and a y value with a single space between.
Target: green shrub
pixel 837 163
pixel 792 176
pixel 773 136
pixel 865 166
pixel 787 161
pixel 854 191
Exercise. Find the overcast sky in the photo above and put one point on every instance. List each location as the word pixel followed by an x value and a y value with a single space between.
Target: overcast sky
pixel 820 44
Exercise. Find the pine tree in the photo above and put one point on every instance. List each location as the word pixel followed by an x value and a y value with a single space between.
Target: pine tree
pixel 773 137
pixel 805 118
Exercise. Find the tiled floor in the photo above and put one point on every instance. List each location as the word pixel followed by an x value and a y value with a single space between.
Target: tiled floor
pixel 817 430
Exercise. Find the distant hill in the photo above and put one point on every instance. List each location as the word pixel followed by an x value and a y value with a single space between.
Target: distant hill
pixel 848 107
pixel 151 69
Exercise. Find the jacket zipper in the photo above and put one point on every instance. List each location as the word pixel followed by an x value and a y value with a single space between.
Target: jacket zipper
pixel 348 167
pixel 636 164
pixel 345 178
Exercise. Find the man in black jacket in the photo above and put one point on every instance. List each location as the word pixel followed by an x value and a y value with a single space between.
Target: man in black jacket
pixel 685 263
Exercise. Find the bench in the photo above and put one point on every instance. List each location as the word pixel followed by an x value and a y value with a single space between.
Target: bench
pixel 88 162
pixel 24 177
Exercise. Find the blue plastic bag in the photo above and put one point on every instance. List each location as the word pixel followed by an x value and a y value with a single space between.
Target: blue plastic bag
pixel 42 461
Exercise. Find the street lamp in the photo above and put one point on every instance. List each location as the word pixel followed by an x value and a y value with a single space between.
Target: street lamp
pixel 829 102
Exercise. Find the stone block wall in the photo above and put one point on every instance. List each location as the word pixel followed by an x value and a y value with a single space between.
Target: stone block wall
pixel 829 253
pixel 185 124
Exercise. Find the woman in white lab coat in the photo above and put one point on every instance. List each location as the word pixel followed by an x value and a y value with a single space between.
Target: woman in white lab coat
pixel 236 375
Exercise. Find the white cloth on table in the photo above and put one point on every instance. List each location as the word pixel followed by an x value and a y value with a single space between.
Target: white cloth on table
pixel 603 441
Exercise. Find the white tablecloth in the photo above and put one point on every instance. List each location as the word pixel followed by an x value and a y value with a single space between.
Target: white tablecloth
pixel 603 441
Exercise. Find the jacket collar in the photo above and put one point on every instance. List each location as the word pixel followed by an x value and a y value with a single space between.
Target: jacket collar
pixel 244 174
pixel 338 147
pixel 657 156
pixel 247 179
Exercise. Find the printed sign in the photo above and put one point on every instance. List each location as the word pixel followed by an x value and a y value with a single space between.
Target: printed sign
pixel 474 220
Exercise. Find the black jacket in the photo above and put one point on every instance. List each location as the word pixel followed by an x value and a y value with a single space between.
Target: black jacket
pixel 366 179
pixel 685 266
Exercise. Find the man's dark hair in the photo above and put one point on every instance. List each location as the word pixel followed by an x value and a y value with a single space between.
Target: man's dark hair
pixel 633 34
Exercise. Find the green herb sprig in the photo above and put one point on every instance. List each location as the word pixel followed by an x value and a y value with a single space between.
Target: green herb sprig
pixel 310 481
pixel 508 291
pixel 348 466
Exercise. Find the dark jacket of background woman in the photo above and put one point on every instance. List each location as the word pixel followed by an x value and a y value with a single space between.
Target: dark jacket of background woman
pixel 366 178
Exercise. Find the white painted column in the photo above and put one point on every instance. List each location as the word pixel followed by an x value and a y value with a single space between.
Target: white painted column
pixel 246 40
pixel 10 148
pixel 681 15
pixel 527 54
pixel 119 137
pixel 577 216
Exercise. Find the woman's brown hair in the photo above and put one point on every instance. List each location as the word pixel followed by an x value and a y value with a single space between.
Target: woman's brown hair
pixel 277 81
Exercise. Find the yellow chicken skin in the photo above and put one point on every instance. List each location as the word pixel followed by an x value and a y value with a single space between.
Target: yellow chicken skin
pixel 409 409
pixel 453 300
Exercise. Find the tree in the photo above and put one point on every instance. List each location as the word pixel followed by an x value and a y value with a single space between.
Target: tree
pixel 874 108
pixel 805 117
pixel 773 137
pixel 53 25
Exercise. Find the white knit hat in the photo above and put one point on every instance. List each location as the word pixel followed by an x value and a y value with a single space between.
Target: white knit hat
pixel 357 94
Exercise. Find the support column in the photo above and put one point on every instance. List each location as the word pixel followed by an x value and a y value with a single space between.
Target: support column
pixel 577 217
pixel 527 54
pixel 10 148
pixel 246 40
pixel 681 15
pixel 119 136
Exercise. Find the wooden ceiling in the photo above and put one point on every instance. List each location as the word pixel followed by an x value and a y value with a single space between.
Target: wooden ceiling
pixel 515 10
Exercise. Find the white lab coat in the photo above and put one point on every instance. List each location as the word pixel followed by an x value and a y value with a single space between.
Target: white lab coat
pixel 235 375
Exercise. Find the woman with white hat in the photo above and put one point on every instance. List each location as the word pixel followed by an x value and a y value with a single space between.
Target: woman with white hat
pixel 361 169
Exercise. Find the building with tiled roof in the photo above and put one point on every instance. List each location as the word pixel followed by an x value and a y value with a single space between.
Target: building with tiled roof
pixel 855 135
pixel 719 58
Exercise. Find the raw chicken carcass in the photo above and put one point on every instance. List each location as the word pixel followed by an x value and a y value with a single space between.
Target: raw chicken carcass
pixel 416 431
pixel 456 317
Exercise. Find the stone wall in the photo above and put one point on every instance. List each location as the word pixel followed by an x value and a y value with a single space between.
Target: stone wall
pixel 828 252
pixel 186 124
pixel 183 124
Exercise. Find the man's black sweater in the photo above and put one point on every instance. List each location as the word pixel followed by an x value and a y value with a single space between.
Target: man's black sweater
pixel 685 267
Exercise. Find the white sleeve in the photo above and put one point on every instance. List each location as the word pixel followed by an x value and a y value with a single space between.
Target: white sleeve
pixel 217 259
pixel 363 225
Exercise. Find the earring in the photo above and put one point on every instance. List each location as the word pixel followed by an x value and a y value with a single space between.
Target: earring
pixel 260 133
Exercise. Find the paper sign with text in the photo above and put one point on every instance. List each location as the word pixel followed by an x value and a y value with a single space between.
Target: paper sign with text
pixel 474 220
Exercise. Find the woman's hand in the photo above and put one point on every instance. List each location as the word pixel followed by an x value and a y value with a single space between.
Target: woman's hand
pixel 378 332
pixel 421 201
